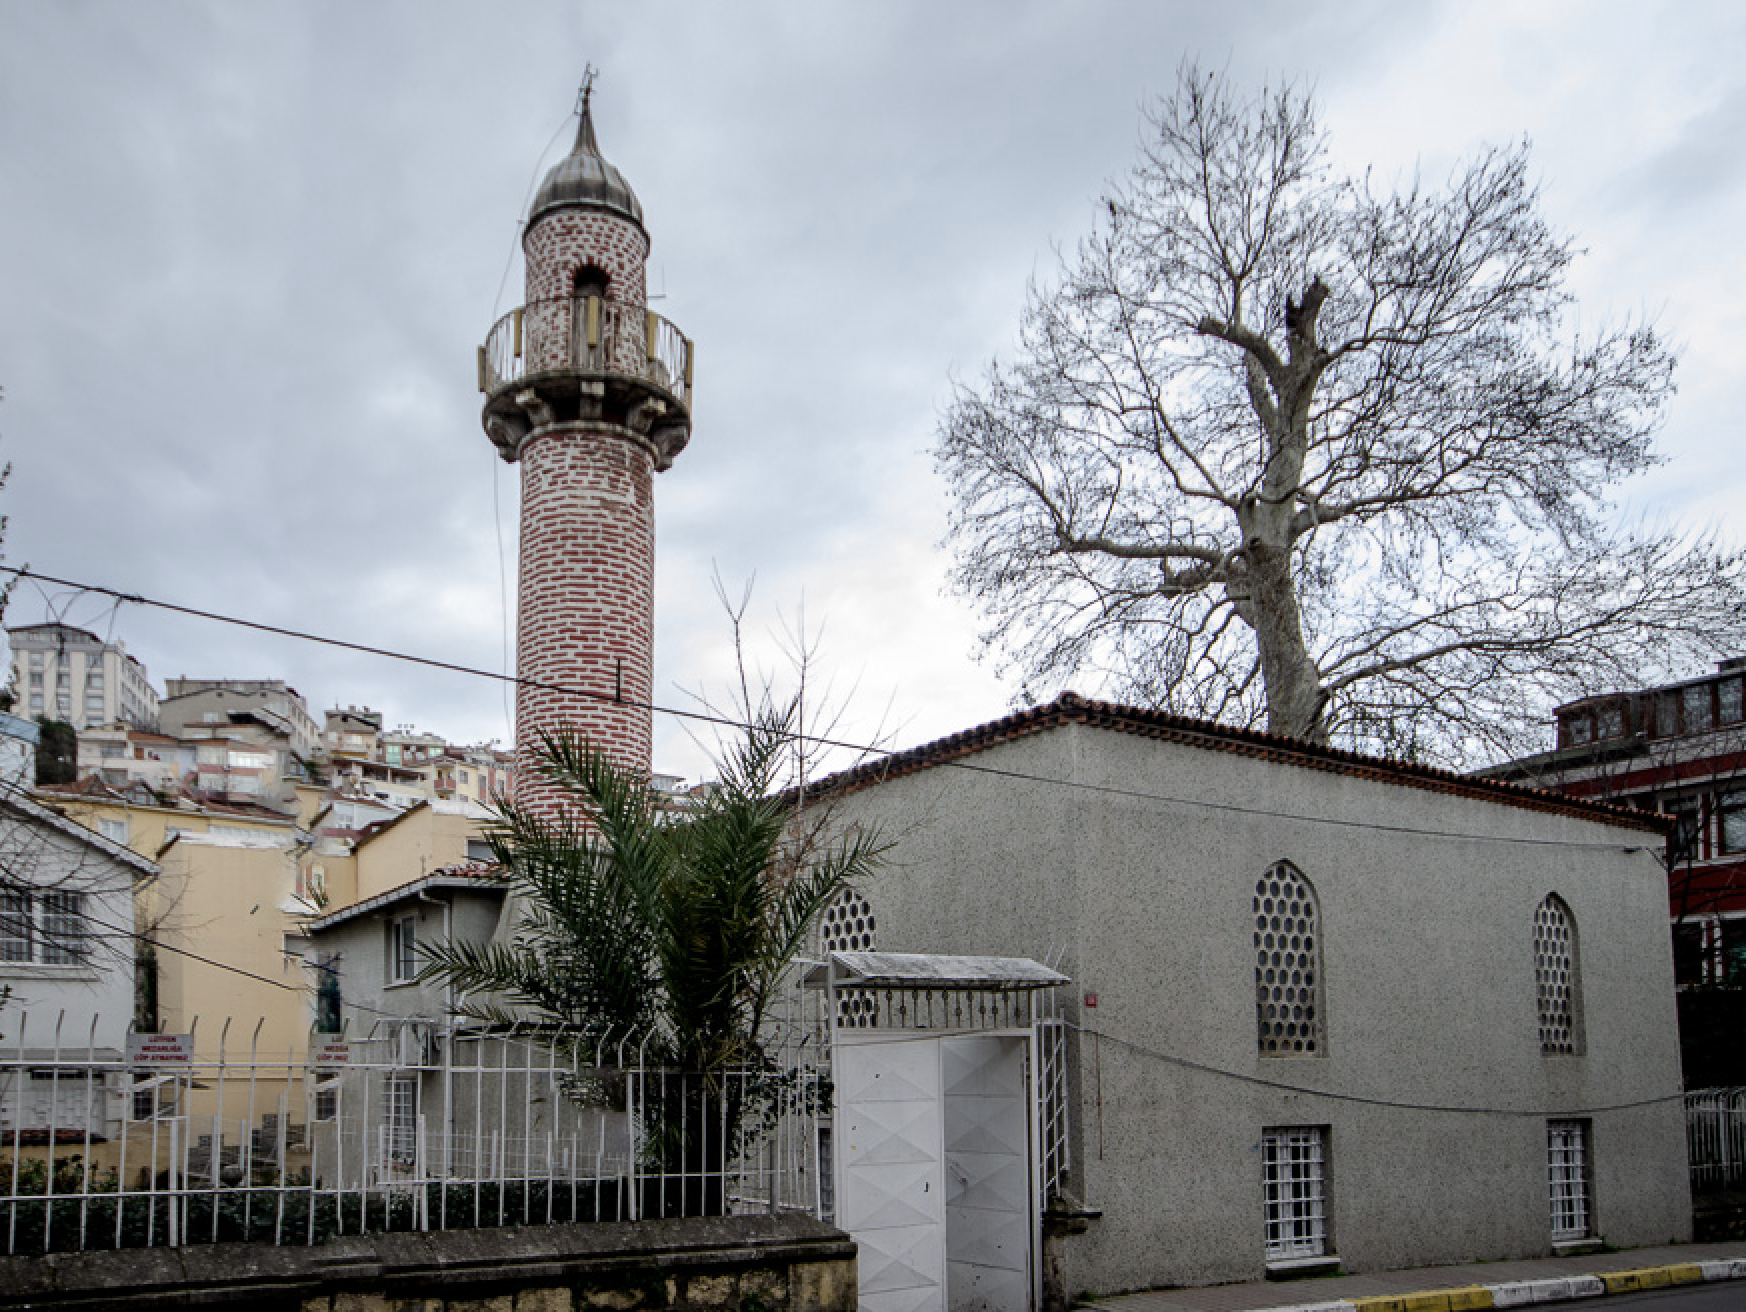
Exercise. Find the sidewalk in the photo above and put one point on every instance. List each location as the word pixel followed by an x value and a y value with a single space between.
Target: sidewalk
pixel 1481 1285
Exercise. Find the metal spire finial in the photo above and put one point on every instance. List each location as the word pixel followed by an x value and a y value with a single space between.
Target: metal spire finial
pixel 585 142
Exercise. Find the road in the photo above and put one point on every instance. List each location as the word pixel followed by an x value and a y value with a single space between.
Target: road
pixel 1722 1296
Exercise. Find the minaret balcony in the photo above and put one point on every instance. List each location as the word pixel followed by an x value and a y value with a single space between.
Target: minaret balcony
pixel 591 338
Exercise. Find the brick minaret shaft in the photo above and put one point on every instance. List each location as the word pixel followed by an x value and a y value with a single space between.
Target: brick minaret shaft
pixel 591 394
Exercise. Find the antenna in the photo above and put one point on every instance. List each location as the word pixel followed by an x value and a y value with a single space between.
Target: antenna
pixel 589 73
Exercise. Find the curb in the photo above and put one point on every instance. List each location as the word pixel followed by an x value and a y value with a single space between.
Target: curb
pixel 1526 1293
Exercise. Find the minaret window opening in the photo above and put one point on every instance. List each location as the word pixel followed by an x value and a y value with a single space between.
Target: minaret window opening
pixel 591 280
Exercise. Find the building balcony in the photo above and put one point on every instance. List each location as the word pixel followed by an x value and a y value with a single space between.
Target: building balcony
pixel 585 357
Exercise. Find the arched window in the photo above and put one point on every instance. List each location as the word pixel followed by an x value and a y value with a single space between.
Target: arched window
pixel 1288 965
pixel 1555 976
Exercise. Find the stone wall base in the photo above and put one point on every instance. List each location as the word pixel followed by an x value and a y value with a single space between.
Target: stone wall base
pixel 717 1264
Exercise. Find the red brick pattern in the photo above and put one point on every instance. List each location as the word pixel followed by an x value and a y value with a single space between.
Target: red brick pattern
pixel 565 240
pixel 587 538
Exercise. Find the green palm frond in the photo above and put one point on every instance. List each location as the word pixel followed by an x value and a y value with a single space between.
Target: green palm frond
pixel 634 920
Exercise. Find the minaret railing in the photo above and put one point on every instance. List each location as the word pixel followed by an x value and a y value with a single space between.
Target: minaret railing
pixel 587 335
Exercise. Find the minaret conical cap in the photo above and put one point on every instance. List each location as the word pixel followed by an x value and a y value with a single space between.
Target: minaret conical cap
pixel 584 178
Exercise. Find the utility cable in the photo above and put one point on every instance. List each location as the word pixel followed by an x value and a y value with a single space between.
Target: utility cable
pixel 1202 1068
pixel 863 749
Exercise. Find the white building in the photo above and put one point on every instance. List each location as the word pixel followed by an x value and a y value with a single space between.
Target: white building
pixel 67 939
pixel 69 674
pixel 1325 1010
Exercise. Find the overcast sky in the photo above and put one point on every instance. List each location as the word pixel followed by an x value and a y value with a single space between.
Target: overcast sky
pixel 247 252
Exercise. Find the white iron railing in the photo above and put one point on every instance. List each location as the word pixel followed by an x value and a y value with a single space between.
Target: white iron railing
pixel 416 1126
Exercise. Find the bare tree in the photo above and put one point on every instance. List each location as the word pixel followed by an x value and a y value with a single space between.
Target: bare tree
pixel 1285 447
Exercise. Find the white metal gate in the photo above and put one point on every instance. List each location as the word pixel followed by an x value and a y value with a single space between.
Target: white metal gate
pixel 936 1173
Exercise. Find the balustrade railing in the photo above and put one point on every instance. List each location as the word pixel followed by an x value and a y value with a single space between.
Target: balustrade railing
pixel 589 335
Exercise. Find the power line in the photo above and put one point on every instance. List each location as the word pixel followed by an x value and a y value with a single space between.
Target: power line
pixel 1202 1068
pixel 862 749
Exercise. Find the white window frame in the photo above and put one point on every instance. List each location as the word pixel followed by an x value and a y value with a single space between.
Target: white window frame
pixel 324 1099
pixel 403 949
pixel 1294 1184
pixel 62 937
pixel 1569 1181
pixel 45 928
pixel 17 927
pixel 400 1121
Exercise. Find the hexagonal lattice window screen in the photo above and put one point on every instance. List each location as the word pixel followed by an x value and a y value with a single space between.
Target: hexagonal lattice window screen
pixel 847 925
pixel 1555 975
pixel 1288 965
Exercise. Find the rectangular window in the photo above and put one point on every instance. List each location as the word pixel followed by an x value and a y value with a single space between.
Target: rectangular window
pixel 400 1120
pixel 114 830
pixel 326 1102
pixel 1732 809
pixel 1695 702
pixel 1579 729
pixel 1567 1157
pixel 1689 955
pixel 1612 721
pixel 403 949
pixel 1728 701
pixel 1294 1179
pixel 63 928
pixel 152 1097
pixel 15 927
pixel 1685 843
pixel 1730 952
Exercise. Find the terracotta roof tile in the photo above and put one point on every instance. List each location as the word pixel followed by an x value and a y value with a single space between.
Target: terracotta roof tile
pixel 1071 708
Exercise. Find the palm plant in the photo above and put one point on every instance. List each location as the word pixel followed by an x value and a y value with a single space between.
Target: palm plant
pixel 670 930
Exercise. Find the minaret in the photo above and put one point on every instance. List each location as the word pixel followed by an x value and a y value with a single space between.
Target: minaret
pixel 591 393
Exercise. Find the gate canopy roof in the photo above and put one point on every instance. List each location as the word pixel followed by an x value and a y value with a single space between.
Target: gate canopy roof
pixel 909 970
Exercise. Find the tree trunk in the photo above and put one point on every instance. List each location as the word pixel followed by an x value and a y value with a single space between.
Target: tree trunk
pixel 1294 684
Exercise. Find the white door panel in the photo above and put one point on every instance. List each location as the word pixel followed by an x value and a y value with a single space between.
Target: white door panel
pixel 891 1192
pixel 987 1151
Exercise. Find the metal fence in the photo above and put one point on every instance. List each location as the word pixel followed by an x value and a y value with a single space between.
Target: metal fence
pixel 419 1125
pixel 1715 1132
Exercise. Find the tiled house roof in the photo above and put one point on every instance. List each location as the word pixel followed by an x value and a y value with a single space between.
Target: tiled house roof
pixel 1071 708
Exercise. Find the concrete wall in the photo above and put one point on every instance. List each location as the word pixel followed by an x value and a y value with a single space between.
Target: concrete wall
pixel 424 839
pixel 786 1264
pixel 1144 875
pixel 222 911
